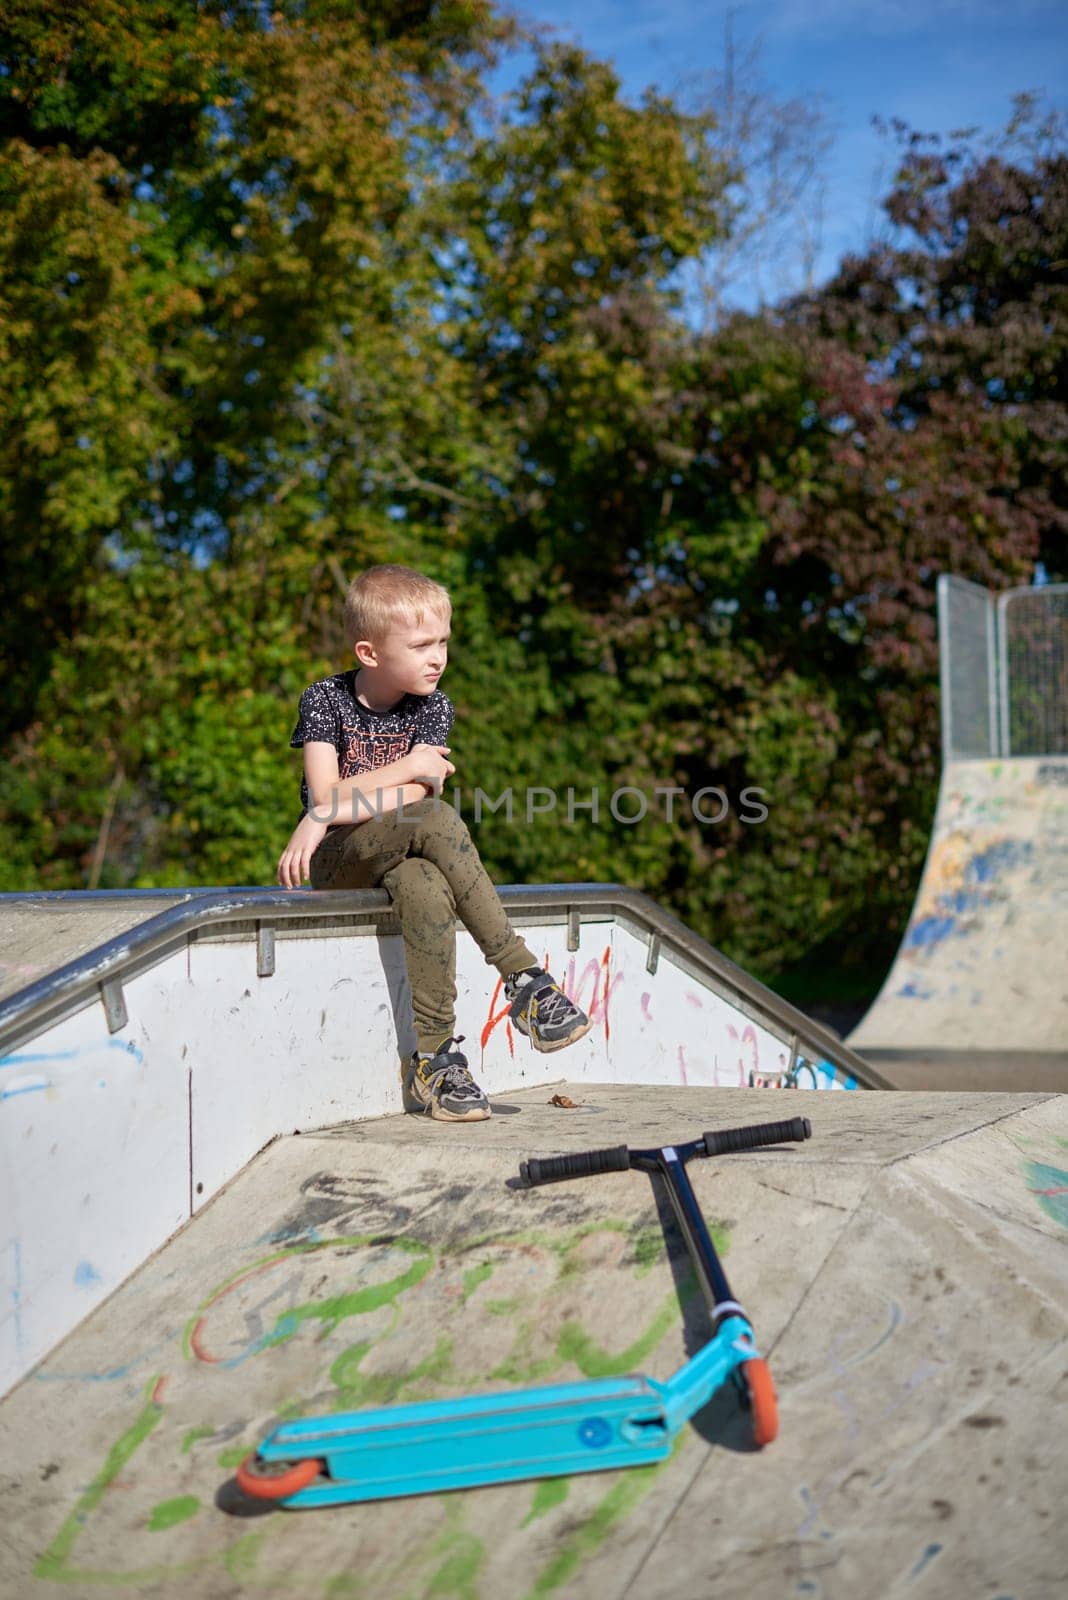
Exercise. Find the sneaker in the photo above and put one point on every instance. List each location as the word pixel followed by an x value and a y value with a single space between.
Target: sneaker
pixel 442 1086
pixel 541 1010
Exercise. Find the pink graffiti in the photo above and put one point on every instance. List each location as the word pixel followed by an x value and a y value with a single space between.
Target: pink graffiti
pixel 748 1038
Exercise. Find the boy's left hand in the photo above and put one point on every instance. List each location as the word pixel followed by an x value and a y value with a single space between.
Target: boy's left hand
pixel 294 865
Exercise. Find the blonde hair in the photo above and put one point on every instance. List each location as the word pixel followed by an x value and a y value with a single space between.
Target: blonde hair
pixel 384 595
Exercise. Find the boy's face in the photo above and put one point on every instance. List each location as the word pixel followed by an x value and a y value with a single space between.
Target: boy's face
pixel 411 656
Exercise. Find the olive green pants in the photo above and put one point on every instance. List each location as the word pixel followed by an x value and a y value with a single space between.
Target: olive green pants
pixel 426 860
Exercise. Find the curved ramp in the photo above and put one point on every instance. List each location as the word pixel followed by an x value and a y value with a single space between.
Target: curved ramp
pixel 979 988
pixel 904 1271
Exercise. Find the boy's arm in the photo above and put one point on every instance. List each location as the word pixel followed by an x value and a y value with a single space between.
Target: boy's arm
pixel 346 800
pixel 320 763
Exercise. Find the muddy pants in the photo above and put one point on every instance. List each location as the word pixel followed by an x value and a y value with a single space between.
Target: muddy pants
pixel 427 861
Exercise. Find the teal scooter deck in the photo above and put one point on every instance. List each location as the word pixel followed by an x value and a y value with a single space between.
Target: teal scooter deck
pixel 592 1426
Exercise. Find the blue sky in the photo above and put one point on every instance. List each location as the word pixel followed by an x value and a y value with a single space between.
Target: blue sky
pixel 938 64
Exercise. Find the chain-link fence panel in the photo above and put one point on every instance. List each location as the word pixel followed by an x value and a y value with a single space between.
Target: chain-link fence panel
pixel 968 664
pixel 1033 641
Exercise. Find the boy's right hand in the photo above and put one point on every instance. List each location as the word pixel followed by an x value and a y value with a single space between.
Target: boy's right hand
pixel 294 865
pixel 429 764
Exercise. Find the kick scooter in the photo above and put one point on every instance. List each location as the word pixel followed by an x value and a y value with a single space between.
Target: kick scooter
pixel 589 1426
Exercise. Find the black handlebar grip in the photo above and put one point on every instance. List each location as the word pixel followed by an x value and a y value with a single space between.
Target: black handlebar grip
pixel 729 1140
pixel 585 1164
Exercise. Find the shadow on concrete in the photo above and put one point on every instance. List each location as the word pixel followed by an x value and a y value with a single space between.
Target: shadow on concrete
pixel 235 1503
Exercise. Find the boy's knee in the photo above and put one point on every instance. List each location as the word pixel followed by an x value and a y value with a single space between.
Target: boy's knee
pixel 416 883
pixel 444 822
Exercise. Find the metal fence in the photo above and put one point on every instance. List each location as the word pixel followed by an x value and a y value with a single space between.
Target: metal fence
pixel 967 653
pixel 1004 670
pixel 1032 629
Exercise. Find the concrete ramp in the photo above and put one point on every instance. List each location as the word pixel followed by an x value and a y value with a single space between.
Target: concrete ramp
pixel 905 1272
pixel 39 933
pixel 978 993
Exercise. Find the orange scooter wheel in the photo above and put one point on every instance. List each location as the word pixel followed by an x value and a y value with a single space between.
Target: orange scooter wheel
pixel 276 1480
pixel 763 1405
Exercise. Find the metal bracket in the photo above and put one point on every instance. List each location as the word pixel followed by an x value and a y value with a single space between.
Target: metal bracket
pixel 264 950
pixel 652 955
pixel 114 1004
pixel 574 926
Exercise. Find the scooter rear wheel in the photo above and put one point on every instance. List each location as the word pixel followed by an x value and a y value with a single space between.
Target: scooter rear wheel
pixel 763 1406
pixel 276 1480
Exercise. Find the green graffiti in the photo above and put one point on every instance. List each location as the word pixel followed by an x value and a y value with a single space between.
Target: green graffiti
pixel 193 1436
pixel 583 1542
pixel 358 1303
pixel 357 1389
pixel 460 1559
pixel 648 1246
pixel 241 1558
pixel 574 1344
pixel 350 1583
pixel 476 1276
pixel 1049 1185
pixel 548 1494
pixel 330 1311
pixel 170 1512
pixel 458 1573
pixel 53 1562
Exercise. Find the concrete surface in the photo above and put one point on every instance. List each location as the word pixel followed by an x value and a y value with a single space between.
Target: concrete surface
pixel 1021 1071
pixel 905 1271
pixel 982 964
pixel 37 936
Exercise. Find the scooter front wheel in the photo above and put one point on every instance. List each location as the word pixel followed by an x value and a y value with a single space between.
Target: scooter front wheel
pixel 763 1406
pixel 276 1480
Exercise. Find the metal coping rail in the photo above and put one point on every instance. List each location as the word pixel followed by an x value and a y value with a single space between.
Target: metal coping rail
pixel 78 983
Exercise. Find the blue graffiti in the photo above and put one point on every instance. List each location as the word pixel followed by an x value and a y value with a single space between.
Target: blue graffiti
pixel 980 874
pixel 27 1058
pixel 925 1560
pixel 114 1375
pixel 929 931
pixel 85 1275
pixel 25 1088
pixel 998 858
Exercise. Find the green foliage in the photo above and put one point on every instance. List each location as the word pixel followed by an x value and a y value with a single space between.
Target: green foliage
pixel 285 293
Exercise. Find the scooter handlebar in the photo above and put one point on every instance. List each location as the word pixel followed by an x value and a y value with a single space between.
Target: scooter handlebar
pixel 583 1164
pixel 729 1140
pixel 588 1163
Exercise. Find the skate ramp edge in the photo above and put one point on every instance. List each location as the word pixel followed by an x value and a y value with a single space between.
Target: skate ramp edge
pixel 140 1078
pixel 904 1273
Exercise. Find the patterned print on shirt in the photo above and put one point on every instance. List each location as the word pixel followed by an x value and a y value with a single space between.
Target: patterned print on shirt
pixel 366 752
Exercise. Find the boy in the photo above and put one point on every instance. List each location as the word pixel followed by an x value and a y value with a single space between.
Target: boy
pixel 375 758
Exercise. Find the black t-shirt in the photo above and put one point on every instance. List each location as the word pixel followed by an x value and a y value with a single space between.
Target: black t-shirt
pixel 364 739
